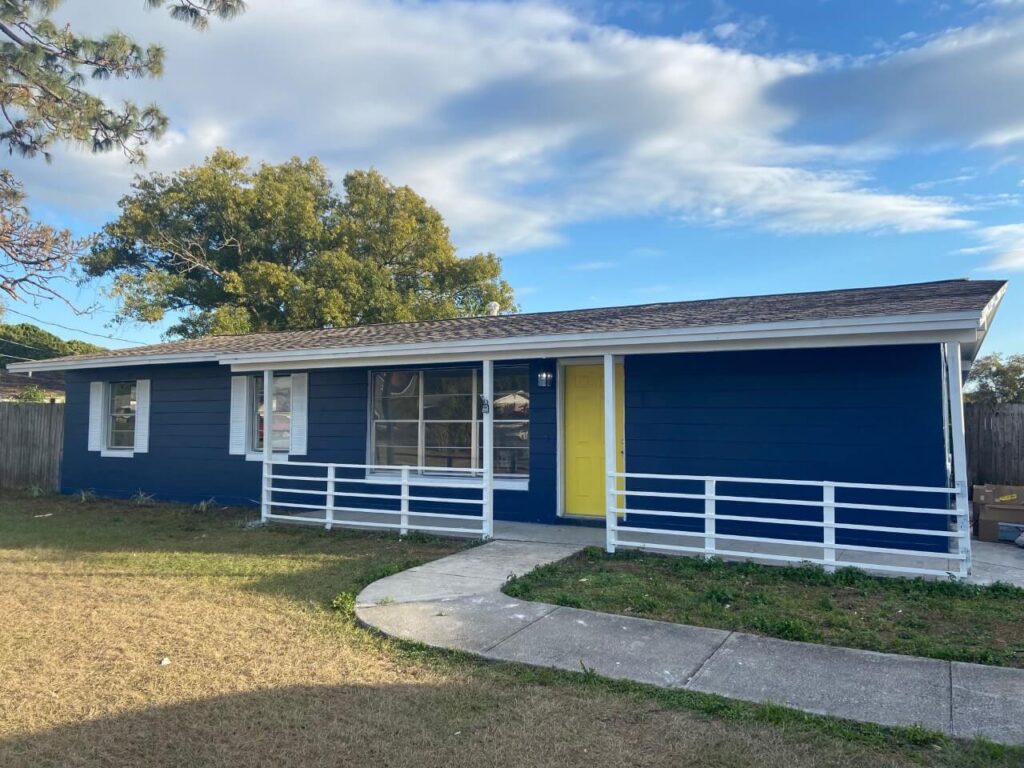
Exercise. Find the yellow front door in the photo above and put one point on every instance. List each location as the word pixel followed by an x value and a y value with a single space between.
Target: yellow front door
pixel 583 465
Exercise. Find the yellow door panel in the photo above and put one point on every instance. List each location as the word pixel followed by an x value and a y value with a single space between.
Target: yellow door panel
pixel 583 438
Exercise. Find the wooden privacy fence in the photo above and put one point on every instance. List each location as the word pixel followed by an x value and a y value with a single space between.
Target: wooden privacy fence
pixel 995 443
pixel 31 439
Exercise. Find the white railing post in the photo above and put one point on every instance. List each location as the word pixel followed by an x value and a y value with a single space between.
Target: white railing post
pixel 610 449
pixel 487 525
pixel 963 528
pixel 709 518
pixel 268 449
pixel 959 445
pixel 404 522
pixel 330 497
pixel 828 519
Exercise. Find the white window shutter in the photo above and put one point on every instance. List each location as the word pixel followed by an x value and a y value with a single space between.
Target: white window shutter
pixel 97 408
pixel 142 416
pixel 300 409
pixel 239 431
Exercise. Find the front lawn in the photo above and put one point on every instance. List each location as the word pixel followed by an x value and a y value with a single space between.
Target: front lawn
pixel 942 620
pixel 158 635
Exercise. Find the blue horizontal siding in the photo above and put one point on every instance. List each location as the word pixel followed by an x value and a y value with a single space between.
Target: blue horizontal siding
pixel 188 457
pixel 859 414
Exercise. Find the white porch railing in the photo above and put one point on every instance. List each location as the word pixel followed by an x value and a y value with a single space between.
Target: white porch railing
pixel 720 506
pixel 399 498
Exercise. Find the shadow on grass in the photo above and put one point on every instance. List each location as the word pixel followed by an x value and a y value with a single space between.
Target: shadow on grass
pixel 438 724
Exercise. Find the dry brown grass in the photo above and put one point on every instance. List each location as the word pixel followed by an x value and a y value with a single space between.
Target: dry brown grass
pixel 262 672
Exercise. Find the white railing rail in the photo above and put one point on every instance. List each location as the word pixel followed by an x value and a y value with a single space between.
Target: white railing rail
pixel 719 507
pixel 378 496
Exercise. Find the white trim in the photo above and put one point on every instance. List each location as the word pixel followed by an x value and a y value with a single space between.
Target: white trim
pixel 142 400
pixel 610 451
pixel 238 420
pixel 117 453
pixel 300 414
pixel 944 326
pixel 97 416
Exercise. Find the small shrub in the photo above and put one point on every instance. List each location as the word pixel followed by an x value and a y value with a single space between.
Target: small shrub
pixel 205 506
pixel 142 499
pixel 35 491
pixel 86 495
pixel 345 604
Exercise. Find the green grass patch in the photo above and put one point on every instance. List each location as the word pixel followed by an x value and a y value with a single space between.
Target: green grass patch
pixel 938 619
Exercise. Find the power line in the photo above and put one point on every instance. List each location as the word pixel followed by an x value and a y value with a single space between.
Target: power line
pixel 5 340
pixel 69 328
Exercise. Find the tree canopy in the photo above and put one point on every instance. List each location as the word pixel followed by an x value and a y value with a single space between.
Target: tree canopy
pixel 233 249
pixel 21 341
pixel 45 97
pixel 996 380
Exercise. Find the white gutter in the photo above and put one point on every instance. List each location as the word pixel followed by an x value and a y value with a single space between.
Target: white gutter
pixel 967 327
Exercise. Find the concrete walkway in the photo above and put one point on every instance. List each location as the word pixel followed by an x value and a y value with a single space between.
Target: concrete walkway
pixel 456 602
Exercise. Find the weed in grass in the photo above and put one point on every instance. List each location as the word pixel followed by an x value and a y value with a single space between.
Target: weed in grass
pixel 85 495
pixel 142 499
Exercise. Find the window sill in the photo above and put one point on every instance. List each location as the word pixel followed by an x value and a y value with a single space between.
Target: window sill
pixel 500 483
pixel 117 453
pixel 258 456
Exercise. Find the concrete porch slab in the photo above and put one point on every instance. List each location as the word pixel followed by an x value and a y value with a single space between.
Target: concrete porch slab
pixel 858 685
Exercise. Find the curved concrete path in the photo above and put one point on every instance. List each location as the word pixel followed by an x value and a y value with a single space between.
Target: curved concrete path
pixel 456 602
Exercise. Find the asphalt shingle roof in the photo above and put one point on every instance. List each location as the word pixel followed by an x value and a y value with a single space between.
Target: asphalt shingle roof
pixel 913 299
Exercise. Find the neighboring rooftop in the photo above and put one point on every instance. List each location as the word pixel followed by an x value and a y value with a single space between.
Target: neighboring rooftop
pixel 947 296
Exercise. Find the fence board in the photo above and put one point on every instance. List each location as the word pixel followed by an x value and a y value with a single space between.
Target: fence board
pixel 31 441
pixel 995 444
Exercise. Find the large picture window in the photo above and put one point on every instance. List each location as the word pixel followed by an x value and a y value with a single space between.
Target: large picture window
pixel 433 418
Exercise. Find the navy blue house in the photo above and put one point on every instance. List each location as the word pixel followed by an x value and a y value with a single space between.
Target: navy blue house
pixel 621 416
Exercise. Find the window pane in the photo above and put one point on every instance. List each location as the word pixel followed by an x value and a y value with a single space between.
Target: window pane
pixel 511 392
pixel 448 394
pixel 121 429
pixel 282 405
pixel 511 461
pixel 396 443
pixel 512 434
pixel 396 395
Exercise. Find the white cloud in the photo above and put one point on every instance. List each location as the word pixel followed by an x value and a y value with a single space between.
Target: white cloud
pixel 593 266
pixel 1006 242
pixel 513 119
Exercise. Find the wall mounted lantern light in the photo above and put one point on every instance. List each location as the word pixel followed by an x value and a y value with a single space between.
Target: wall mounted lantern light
pixel 545 377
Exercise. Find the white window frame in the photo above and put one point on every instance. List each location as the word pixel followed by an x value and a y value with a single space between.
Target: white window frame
pixel 252 414
pixel 101 424
pixel 246 412
pixel 432 475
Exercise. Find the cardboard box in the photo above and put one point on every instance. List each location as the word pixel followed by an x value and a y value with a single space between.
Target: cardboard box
pixel 993 494
pixel 994 514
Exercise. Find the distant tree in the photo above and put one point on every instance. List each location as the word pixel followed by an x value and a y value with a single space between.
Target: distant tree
pixel 45 68
pixel 238 249
pixel 31 394
pixel 995 380
pixel 21 341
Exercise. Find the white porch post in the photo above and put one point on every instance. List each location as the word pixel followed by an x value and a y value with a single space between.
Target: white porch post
pixel 610 452
pixel 959 444
pixel 488 449
pixel 268 434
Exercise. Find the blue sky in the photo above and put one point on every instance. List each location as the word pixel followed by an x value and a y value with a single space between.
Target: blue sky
pixel 613 153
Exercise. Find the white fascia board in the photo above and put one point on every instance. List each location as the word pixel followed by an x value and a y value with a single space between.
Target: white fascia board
pixel 119 361
pixel 568 351
pixel 945 326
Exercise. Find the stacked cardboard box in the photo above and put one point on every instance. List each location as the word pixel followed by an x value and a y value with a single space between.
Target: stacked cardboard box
pixel 995 504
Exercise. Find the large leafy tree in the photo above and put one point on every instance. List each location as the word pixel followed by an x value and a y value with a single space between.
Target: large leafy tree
pixel 46 70
pixel 233 249
pixel 996 380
